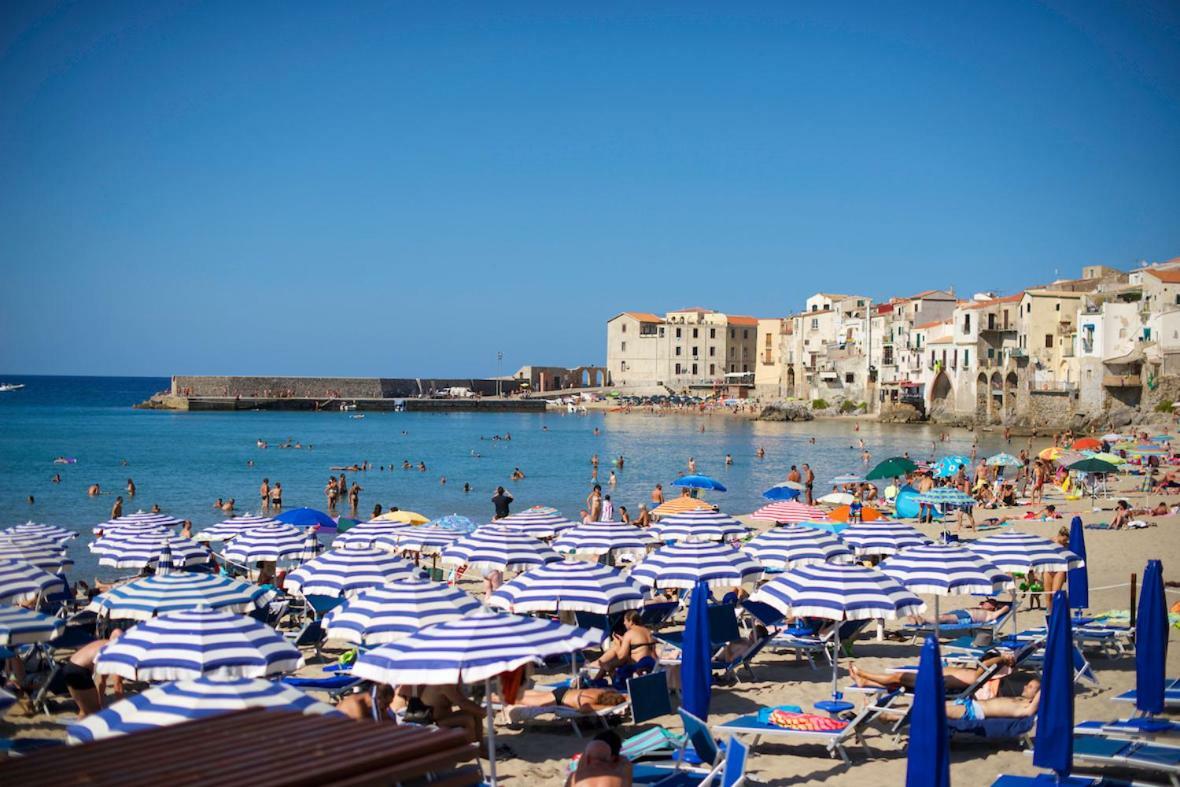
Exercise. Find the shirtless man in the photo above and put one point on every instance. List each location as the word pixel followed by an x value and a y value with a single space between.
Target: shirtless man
pixel 988 610
pixel 809 484
pixel 601 765
pixel 636 644
pixel 997 707
pixel 657 495
pixel 276 497
pixel 78 673
pixel 954 678
pixel 94 490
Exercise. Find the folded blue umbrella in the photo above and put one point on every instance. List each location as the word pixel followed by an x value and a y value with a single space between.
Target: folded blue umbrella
pixel 929 756
pixel 1078 578
pixel 1151 641
pixel 696 657
pixel 1054 741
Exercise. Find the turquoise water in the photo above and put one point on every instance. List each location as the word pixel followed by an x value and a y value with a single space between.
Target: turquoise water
pixel 185 461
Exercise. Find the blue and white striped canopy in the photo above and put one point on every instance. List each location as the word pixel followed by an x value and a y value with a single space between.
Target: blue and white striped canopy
pixel 492 548
pixel 697 526
pixel 146 597
pixel 185 700
pixel 947 497
pixel 836 592
pixel 949 465
pixel 345 572
pixel 881 537
pixel 21 581
pixel 1014 551
pixel 140 521
pixel 789 546
pixel 233 527
pixel 848 478
pixel 366 533
pixel 1004 460
pixel 50 532
pixel 945 570
pixel 196 642
pixel 381 615
pixel 603 538
pixel 542 524
pixel 20 626
pixel 48 555
pixel 311 547
pixel 164 564
pixel 424 539
pixel 573 585
pixel 470 649
pixel 269 542
pixel 683 564
pixel 123 550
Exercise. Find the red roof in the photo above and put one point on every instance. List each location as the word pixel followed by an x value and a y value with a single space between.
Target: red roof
pixel 645 316
pixel 994 301
pixel 1170 276
pixel 934 324
pixel 741 319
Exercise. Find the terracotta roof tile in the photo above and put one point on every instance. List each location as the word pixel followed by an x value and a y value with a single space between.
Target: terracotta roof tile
pixel 645 316
pixel 1171 276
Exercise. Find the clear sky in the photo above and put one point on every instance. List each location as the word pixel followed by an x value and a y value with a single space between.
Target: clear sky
pixel 406 189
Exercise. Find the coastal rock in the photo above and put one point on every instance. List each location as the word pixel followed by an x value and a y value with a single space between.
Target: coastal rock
pixel 900 413
pixel 786 412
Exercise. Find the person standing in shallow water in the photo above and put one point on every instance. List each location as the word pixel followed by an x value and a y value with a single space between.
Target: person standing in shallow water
pixel 500 503
pixel 117 508
pixel 264 495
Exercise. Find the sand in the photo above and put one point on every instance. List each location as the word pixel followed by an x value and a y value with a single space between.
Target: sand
pixel 1113 557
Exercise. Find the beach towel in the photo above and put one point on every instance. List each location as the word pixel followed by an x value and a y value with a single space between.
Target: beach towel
pixel 805 722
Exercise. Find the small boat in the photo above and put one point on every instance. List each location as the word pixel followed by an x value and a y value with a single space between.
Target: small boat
pixel 6 387
pixel 362 415
pixel 345 407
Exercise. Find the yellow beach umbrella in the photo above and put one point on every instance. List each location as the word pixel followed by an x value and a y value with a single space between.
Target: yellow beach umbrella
pixel 1114 459
pixel 678 505
pixel 408 517
pixel 1051 453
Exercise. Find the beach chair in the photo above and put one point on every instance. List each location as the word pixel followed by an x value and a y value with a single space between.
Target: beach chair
pixel 1171 694
pixel 1019 730
pixel 807 645
pixel 653 616
pixel 835 741
pixel 53 683
pixel 730 771
pixel 742 660
pixel 1103 752
pixel 922 630
pixel 1148 728
pixel 723 628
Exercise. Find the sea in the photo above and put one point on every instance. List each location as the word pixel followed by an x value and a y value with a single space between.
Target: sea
pixel 184 462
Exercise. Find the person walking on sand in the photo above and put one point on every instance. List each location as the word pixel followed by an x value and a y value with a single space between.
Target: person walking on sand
pixel 117 508
pixel 264 495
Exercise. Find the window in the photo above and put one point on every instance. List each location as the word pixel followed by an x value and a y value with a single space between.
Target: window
pixel 991 353
pixel 954 359
pixel 694 368
pixel 1057 307
pixel 712 370
pixel 695 351
pixel 694 333
pixel 768 335
pixel 678 349
pixel 1048 341
pixel 649 329
pixel 966 323
pixel 622 368
pixel 745 333
pixel 849 377
pixel 713 351
pixel 623 347
pixel 966 359
pixel 814 324
pixel 677 333
pixel 677 368
pixel 745 367
pixel 661 331
pixel 712 333
pixel 731 333
pixel 624 327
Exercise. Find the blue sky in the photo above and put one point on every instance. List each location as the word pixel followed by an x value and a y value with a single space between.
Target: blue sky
pixel 399 189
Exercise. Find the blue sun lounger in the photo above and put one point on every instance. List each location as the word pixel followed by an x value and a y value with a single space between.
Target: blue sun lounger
pixel 994 729
pixel 1139 728
pixel 1124 754
pixel 1171 694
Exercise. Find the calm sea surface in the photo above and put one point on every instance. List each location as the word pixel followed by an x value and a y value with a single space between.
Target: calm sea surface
pixel 185 461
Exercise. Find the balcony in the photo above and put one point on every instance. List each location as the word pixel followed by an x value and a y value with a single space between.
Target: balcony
pixel 1121 381
pixel 1017 352
pixel 997 329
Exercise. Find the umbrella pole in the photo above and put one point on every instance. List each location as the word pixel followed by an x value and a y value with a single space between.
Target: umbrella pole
pixel 937 615
pixel 491 739
pixel 836 661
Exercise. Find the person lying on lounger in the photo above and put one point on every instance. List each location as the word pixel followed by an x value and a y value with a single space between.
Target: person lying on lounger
pixel 998 707
pixel 988 610
pixel 634 646
pixel 955 678
pixel 589 700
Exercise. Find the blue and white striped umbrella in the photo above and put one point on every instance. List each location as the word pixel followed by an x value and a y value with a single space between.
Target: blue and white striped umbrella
pixel 164 564
pixel 40 553
pixel 6 701
pixel 542 524
pixel 838 592
pixel 881 537
pixel 381 615
pixel 472 648
pixel 604 538
pixel 698 526
pixel 1004 460
pixel 269 542
pixel 311 547
pixel 21 581
pixel 20 626
pixel 366 533
pixel 50 532
pixel 146 597
pixel 424 539
pixel 1021 552
pixel 233 527
pixel 140 521
pixel 569 585
pixel 186 700
pixel 122 550
pixel 345 572
pixel 684 563
pixel 946 497
pixel 949 465
pixel 848 478
pixel 788 546
pixel 492 548
pixel 196 642
pixel 945 570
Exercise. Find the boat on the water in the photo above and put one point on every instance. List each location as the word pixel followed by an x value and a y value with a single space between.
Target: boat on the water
pixel 5 387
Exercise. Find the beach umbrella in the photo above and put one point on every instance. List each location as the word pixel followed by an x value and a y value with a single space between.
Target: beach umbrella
pixel 680 504
pixel 699 482
pixel 1051 453
pixel 946 497
pixel 1092 465
pixel 949 465
pixel 838 592
pixel 6 701
pixel 269 542
pixel 1085 443
pixel 345 572
pixel 569 585
pixel 146 597
pixel 836 499
pixel 881 538
pixel 306 517
pixel 787 490
pixel 20 626
pixel 843 513
pixel 140 521
pixel 365 534
pixel 122 550
pixel 1013 551
pixel 188 700
pixel 386 614
pixel 791 511
pixel 1004 460
pixel 1147 449
pixel 535 523
pixel 928 756
pixel 1078 578
pixel 685 563
pixel 492 548
pixel 52 558
pixel 698 526
pixel 788 546
pixel 464 524
pixel 604 538
pixel 425 540
pixel 230 528
pixel 696 675
pixel 311 547
pixel 848 478
pixel 1053 748
pixel 191 643
pixel 1067 458
pixel 945 570
pixel 164 564
pixel 1151 641
pixel 50 532
pixel 894 467
pixel 21 581
pixel 1109 458
pixel 405 517
pixel 473 648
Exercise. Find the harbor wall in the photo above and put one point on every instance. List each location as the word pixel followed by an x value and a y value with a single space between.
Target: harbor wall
pixel 329 388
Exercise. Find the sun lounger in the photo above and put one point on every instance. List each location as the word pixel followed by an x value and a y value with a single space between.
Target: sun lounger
pixel 1051 780
pixel 807 645
pixel 959 629
pixel 1124 754
pixel 730 771
pixel 743 660
pixel 723 628
pixel 1138 728
pixel 995 729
